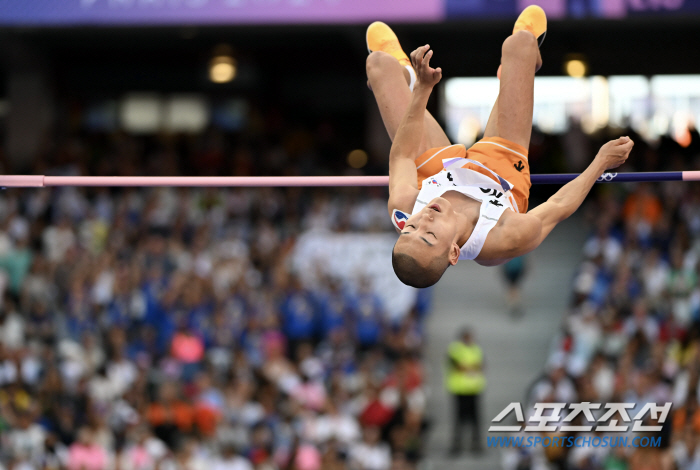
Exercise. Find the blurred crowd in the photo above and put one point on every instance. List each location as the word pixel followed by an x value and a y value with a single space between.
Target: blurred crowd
pixel 164 329
pixel 632 333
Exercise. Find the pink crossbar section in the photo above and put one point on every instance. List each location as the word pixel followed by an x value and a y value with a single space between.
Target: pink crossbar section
pixel 691 176
pixel 22 181
pixel 37 181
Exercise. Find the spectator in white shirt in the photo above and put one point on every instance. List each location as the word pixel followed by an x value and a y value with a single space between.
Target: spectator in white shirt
pixel 371 453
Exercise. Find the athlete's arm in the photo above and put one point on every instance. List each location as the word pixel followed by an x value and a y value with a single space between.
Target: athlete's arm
pixel 519 234
pixel 403 187
pixel 570 197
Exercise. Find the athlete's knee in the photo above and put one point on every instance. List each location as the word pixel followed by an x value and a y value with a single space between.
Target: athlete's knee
pixel 522 44
pixel 378 61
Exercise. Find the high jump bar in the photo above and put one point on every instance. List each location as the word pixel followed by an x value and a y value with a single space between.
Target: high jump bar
pixel 41 181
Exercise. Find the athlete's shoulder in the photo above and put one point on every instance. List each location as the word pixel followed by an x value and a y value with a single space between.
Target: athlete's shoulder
pixel 512 236
pixel 518 232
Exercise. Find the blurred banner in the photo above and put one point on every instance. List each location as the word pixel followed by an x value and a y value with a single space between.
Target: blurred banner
pixel 661 105
pixel 86 12
pixel 162 12
pixel 559 9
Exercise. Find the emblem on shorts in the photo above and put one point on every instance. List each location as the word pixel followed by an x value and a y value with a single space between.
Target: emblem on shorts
pixel 495 203
pixel 519 166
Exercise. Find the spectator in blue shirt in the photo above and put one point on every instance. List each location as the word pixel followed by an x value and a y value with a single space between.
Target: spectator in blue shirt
pixel 333 308
pixel 368 316
pixel 298 314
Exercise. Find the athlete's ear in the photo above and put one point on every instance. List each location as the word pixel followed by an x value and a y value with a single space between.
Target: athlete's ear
pixel 453 254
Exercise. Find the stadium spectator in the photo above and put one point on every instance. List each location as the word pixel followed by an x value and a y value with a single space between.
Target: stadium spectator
pixel 166 329
pixel 632 332
pixel 465 381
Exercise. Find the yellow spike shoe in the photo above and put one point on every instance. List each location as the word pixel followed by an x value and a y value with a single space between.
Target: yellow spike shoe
pixel 533 19
pixel 380 37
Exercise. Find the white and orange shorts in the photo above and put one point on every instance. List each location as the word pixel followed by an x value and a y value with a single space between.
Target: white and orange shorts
pixel 507 159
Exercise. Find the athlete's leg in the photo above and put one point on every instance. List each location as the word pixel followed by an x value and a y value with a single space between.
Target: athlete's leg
pixel 492 124
pixel 511 118
pixel 389 82
pixel 520 59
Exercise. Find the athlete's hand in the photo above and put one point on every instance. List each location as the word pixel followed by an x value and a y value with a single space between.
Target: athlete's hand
pixel 615 152
pixel 425 75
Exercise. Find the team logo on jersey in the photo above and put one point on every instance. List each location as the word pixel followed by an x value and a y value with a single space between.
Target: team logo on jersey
pixel 399 219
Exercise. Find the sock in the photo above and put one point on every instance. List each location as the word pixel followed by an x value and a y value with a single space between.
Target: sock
pixel 413 76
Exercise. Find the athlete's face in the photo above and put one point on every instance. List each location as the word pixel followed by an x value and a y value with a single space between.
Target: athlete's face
pixel 431 232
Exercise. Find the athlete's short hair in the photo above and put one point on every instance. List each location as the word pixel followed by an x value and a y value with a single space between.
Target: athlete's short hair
pixel 413 274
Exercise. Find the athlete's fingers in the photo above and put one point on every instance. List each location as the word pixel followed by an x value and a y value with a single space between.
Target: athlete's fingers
pixel 426 53
pixel 419 58
pixel 421 53
pixel 414 54
pixel 426 60
pixel 627 144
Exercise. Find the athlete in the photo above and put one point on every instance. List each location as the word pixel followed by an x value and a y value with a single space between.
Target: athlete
pixel 449 202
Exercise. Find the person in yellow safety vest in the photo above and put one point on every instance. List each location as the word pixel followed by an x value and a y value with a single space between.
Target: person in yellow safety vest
pixel 465 381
